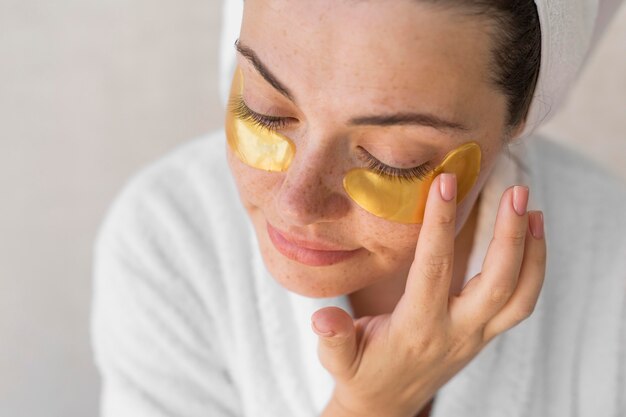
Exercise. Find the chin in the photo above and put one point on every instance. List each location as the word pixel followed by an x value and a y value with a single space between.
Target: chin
pixel 310 286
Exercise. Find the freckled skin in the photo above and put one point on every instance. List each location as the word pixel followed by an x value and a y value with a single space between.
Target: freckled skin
pixel 344 59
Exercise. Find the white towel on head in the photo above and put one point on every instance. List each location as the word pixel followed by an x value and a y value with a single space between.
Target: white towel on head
pixel 232 13
pixel 569 28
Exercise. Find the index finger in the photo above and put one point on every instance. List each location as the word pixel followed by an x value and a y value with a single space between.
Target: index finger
pixel 428 283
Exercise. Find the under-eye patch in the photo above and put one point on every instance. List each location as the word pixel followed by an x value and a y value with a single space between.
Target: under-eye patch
pixel 255 145
pixel 391 198
pixel 404 201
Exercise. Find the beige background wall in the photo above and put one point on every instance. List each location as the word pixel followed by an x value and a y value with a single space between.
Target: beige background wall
pixel 89 92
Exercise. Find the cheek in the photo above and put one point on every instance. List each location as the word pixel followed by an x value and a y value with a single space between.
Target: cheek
pixel 255 186
pixel 392 244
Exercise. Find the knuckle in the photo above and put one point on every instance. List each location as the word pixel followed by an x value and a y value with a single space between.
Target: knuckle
pixel 540 259
pixel 516 317
pixel 523 311
pixel 516 239
pixel 511 318
pixel 465 346
pixel 488 334
pixel 334 342
pixel 437 266
pixel 446 220
pixel 430 348
pixel 500 294
pixel 422 341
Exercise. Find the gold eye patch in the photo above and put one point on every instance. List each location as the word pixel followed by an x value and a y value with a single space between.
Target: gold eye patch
pixel 255 145
pixel 391 198
pixel 404 201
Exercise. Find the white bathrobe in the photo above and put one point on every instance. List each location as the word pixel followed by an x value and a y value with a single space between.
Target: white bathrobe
pixel 187 322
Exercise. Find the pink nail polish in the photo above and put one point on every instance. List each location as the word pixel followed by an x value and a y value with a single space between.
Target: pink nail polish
pixel 520 199
pixel 447 186
pixel 536 224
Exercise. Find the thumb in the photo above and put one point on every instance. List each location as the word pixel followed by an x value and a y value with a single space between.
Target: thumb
pixel 337 347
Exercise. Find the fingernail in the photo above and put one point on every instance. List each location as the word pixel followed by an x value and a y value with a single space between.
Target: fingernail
pixel 536 224
pixel 327 333
pixel 520 199
pixel 447 186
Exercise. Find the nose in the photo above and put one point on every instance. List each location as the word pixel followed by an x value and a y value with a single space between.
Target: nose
pixel 311 192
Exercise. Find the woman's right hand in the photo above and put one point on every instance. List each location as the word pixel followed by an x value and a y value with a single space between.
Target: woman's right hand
pixel 393 364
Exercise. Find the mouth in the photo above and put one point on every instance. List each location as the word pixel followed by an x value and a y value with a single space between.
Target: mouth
pixel 311 253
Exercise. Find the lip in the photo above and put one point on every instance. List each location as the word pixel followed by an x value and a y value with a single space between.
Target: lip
pixel 308 252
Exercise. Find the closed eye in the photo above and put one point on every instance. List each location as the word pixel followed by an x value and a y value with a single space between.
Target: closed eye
pixel 272 123
pixel 414 174
pixel 241 110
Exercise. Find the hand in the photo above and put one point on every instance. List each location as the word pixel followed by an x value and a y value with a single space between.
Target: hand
pixel 393 364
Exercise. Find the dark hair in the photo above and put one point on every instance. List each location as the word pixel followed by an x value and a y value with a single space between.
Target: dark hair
pixel 517 51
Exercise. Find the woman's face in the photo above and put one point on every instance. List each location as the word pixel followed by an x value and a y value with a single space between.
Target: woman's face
pixel 339 72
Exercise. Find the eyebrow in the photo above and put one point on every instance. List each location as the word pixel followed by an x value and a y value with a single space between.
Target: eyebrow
pixel 420 119
pixel 251 56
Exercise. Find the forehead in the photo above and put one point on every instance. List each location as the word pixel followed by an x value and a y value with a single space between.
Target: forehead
pixel 393 54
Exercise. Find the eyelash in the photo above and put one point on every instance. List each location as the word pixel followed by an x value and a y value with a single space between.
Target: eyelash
pixel 271 123
pixel 241 110
pixel 401 174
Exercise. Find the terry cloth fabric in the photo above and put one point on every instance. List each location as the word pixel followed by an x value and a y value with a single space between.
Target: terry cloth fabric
pixel 569 30
pixel 187 321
